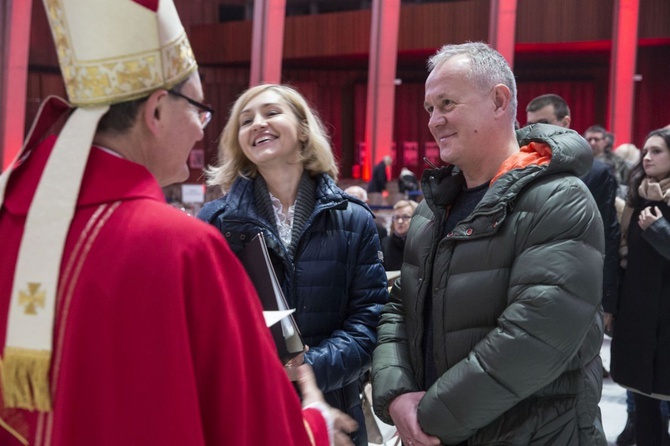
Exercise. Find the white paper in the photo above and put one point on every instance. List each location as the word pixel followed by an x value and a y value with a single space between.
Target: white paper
pixel 272 317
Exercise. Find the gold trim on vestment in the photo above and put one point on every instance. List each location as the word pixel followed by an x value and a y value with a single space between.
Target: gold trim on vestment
pixel 74 264
pixel 121 78
pixel 25 378
pixel 68 285
pixel 13 432
pixel 66 291
pixel 39 431
pixel 32 298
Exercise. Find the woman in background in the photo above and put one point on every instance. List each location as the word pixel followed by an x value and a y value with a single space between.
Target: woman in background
pixel 278 174
pixel 641 332
pixel 393 246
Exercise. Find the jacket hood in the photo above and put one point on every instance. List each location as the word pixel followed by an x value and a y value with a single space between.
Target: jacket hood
pixel 567 153
pixel 570 153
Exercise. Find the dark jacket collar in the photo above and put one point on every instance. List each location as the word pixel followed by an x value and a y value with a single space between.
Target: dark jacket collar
pixel 570 154
pixel 240 199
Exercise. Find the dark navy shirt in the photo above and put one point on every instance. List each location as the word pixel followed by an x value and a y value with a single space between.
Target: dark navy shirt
pixel 465 203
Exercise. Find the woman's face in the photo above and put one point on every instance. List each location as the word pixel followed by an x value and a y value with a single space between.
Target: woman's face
pixel 269 131
pixel 401 218
pixel 656 161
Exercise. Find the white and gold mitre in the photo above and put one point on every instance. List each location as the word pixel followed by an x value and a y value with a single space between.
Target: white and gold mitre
pixel 118 50
pixel 110 51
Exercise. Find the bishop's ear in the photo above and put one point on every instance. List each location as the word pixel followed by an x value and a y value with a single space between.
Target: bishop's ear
pixel 154 109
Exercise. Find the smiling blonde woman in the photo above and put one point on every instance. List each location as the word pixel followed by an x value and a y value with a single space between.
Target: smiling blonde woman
pixel 278 172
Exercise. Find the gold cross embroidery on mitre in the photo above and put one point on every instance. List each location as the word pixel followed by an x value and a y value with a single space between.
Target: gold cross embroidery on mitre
pixel 33 298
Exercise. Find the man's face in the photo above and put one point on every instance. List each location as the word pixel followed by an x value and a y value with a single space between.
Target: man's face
pixel 597 142
pixel 182 129
pixel 459 111
pixel 546 115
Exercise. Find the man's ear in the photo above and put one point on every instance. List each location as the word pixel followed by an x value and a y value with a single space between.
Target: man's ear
pixel 154 108
pixel 502 97
pixel 565 122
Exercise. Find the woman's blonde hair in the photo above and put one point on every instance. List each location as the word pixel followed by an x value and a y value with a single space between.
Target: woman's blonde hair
pixel 403 204
pixel 629 153
pixel 316 155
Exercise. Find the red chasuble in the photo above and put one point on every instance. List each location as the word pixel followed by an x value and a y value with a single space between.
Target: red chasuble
pixel 159 337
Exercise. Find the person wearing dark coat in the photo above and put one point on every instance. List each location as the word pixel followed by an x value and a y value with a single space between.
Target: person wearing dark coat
pixel 279 177
pixel 641 326
pixel 378 181
pixel 394 245
pixel 603 186
pixel 493 330
pixel 359 192
pixel 409 185
pixel 553 109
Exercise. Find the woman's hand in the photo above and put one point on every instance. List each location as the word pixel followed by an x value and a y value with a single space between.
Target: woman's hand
pixel 403 411
pixel 343 424
pixel 648 216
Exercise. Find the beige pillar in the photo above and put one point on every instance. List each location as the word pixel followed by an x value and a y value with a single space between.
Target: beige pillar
pixel 14 47
pixel 267 41
pixel 502 28
pixel 381 82
pixel 622 69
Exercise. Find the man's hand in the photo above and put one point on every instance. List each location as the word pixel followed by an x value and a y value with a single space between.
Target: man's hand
pixel 403 411
pixel 343 424
pixel 648 216
pixel 291 367
pixel 608 322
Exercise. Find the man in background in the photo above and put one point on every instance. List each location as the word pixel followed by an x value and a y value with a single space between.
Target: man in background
pixel 553 109
pixel 379 178
pixel 602 142
pixel 548 109
pixel 359 192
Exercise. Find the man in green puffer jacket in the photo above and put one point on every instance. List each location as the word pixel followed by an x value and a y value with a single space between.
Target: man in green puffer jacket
pixel 493 331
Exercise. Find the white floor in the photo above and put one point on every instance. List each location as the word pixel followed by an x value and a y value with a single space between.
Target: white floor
pixel 613 400
pixel 612 403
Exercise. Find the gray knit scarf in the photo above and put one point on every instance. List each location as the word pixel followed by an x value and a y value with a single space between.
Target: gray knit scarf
pixel 304 205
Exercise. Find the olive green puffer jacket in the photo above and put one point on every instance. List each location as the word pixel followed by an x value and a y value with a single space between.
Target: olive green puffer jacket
pixel 516 291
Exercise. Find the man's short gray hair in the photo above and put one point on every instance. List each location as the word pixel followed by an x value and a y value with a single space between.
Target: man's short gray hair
pixel 487 66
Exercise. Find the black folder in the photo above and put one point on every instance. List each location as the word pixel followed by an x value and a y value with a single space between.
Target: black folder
pixel 256 261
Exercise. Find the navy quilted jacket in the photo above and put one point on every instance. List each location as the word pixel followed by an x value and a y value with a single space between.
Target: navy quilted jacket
pixel 335 281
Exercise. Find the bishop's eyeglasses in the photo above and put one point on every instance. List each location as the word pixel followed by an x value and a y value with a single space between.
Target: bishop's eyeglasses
pixel 205 112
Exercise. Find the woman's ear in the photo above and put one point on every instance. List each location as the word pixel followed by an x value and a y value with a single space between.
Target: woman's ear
pixel 303 131
pixel 154 109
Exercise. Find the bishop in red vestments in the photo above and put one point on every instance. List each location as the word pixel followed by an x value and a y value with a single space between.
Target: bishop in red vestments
pixel 141 327
pixel 159 338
